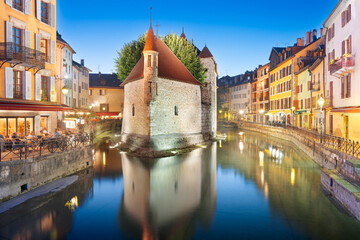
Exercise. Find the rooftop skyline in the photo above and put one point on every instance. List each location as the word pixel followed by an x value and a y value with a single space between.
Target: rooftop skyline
pixel 239 34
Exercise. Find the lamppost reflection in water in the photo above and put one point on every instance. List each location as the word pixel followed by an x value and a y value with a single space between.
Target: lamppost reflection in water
pixel 166 198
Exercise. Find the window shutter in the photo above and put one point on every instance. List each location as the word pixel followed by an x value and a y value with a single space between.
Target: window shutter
pixel 37 87
pixel 28 5
pixel 9 82
pixel 37 42
pixel 342 48
pixel 333 30
pixel 8 26
pixel 52 15
pixel 9 2
pixel 349 50
pixel 52 51
pixel 27 38
pixel 38 9
pixel 342 87
pixel 343 19
pixel 27 83
pixel 348 92
pixel 52 89
pixel 349 13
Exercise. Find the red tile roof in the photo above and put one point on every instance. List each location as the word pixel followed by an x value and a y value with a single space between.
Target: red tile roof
pixel 170 67
pixel 150 41
pixel 205 53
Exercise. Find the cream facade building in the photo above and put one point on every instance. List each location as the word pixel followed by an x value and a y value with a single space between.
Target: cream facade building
pixel 342 70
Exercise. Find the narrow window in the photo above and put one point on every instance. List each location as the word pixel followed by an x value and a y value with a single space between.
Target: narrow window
pixel 44 12
pixel 133 110
pixel 17 85
pixel 176 110
pixel 44 89
pixel 149 60
pixel 17 39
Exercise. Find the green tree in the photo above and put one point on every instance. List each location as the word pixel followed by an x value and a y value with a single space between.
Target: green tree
pixel 184 50
pixel 129 55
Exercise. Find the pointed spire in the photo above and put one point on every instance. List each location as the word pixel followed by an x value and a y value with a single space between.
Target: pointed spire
pixel 150 40
pixel 205 53
pixel 150 17
pixel 183 34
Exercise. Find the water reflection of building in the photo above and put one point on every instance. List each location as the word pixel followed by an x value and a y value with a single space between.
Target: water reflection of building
pixel 168 198
pixel 107 164
pixel 290 184
pixel 50 216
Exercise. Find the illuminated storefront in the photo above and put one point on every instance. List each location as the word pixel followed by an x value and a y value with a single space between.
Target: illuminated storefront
pixel 21 125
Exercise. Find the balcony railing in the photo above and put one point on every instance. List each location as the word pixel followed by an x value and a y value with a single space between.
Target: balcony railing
pixel 342 65
pixel 315 87
pixel 21 55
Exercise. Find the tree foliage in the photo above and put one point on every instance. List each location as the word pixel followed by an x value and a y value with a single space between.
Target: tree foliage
pixel 129 55
pixel 184 50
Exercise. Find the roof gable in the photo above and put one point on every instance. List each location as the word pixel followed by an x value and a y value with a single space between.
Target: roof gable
pixel 169 67
pixel 205 53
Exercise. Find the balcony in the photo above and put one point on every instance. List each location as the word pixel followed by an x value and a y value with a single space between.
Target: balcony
pixel 342 65
pixel 20 55
pixel 314 87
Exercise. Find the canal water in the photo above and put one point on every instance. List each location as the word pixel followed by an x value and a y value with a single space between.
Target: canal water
pixel 249 186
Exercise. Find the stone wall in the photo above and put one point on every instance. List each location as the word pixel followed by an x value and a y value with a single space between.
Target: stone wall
pixel 209 99
pixel 17 176
pixel 171 94
pixel 138 124
pixel 347 194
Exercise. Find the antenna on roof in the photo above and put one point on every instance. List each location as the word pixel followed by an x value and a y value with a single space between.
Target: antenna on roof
pixel 150 17
pixel 157 29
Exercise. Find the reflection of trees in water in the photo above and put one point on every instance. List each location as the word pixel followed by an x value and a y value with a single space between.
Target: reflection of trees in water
pixel 291 184
pixel 47 217
pixel 167 198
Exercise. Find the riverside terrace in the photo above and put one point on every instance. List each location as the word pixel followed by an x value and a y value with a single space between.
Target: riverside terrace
pixel 19 149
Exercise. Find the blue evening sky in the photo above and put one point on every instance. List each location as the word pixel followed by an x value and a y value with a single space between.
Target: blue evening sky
pixel 240 34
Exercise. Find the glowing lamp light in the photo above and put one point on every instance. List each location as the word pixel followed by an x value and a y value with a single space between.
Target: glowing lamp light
pixel 241 112
pixel 321 102
pixel 65 90
pixel 293 108
pixel 261 111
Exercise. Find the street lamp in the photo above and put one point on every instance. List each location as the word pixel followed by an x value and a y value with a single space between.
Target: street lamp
pixel 321 102
pixel 261 111
pixel 65 90
pixel 241 113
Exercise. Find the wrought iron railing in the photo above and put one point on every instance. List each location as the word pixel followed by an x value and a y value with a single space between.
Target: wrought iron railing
pixel 23 55
pixel 309 137
pixel 19 149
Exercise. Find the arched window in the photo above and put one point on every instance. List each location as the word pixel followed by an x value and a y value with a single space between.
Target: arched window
pixel 149 60
pixel 133 110
pixel 176 110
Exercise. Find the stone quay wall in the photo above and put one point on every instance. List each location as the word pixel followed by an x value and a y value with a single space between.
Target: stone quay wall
pixel 23 175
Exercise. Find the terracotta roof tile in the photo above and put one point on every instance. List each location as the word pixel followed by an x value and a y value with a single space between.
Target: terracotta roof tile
pixel 205 53
pixel 150 41
pixel 170 67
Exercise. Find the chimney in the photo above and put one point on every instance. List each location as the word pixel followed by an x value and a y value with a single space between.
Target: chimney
pixel 300 42
pixel 82 62
pixel 314 35
pixel 307 38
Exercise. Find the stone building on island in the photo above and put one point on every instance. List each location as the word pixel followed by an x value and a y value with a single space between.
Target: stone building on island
pixel 163 107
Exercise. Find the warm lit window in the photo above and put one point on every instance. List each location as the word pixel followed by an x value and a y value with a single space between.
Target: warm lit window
pixel 44 46
pixel 17 85
pixel 44 88
pixel 44 12
pixel 104 107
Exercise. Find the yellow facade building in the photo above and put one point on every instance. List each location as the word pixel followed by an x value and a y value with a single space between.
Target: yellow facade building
pixel 27 66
